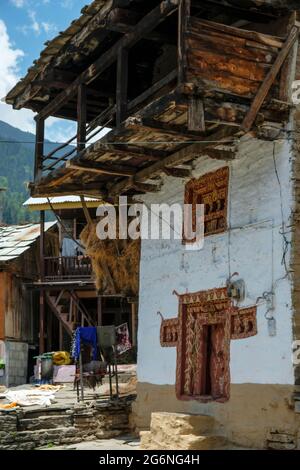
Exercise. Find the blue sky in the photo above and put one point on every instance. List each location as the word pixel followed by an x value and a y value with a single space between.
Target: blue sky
pixel 25 25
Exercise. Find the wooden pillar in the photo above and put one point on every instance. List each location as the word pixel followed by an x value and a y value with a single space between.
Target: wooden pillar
pixel 61 336
pixel 39 148
pixel 196 117
pixel 42 275
pixel 122 86
pixel 42 323
pixel 81 117
pixel 49 331
pixel 134 323
pixel 42 245
pixel 99 311
pixel 184 12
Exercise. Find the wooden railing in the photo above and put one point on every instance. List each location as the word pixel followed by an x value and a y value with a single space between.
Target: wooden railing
pixel 67 267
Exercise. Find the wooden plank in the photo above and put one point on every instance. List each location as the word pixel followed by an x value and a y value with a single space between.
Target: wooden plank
pixel 147 24
pixel 122 86
pixel 175 130
pixel 81 116
pixel 100 169
pixel 265 39
pixel 196 119
pixel 183 155
pixel 269 80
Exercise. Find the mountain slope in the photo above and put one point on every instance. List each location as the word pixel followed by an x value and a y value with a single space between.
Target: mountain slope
pixel 16 170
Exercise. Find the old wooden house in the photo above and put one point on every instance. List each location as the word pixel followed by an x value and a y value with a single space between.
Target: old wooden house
pixel 68 289
pixel 198 97
pixel 19 303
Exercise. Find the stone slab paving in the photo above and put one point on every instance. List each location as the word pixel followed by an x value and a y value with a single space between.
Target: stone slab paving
pixel 121 443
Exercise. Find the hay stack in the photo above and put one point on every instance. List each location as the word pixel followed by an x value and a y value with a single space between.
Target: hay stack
pixel 122 258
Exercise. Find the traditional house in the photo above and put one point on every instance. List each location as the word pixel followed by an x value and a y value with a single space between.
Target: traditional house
pixel 198 96
pixel 70 294
pixel 19 303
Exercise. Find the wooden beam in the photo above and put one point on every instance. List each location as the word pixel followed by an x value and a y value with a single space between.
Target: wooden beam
pixel 183 155
pixel 39 148
pixel 177 172
pixel 81 115
pixel 146 187
pixel 147 24
pixel 221 154
pixel 161 127
pixel 269 80
pixel 86 211
pixel 184 12
pixel 122 86
pixel 127 150
pixel 196 118
pixel 94 167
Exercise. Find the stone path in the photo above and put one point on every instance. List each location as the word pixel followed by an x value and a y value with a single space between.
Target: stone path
pixel 120 443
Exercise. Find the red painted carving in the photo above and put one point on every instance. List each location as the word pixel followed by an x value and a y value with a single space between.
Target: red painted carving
pixel 206 323
pixel 212 191
pixel 169 332
pixel 243 323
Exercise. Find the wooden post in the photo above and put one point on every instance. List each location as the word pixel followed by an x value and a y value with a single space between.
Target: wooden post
pixel 42 245
pixel 81 117
pixel 42 323
pixel 122 85
pixel 39 148
pixel 42 274
pixel 184 12
pixel 196 118
pixel 61 336
pixel 134 323
pixel 99 311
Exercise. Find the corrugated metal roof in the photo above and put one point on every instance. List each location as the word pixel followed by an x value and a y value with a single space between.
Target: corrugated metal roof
pixel 16 239
pixel 60 202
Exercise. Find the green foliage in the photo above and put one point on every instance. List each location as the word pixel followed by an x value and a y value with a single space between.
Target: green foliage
pixel 16 170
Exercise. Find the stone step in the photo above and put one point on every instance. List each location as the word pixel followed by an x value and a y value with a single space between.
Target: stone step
pixel 179 431
pixel 39 411
pixel 181 442
pixel 46 422
pixel 180 423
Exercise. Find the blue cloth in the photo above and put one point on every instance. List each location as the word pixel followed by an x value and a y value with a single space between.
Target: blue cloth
pixel 86 335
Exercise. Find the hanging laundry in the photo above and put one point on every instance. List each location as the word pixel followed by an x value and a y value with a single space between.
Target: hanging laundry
pixel 85 335
pixel 123 341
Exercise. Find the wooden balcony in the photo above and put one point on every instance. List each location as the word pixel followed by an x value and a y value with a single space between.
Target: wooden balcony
pixel 216 82
pixel 67 268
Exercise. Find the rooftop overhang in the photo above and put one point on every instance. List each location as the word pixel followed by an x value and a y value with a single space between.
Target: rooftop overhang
pixel 173 79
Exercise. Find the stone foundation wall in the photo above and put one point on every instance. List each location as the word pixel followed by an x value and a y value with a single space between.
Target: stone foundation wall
pixel 29 429
pixel 256 416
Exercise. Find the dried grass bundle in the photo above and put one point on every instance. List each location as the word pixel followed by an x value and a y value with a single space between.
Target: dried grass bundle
pixel 121 257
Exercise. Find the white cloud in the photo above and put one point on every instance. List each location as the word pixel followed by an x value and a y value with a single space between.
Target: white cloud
pixel 37 27
pixel 18 3
pixel 9 75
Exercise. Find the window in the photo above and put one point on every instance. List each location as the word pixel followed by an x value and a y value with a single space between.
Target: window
pixel 211 190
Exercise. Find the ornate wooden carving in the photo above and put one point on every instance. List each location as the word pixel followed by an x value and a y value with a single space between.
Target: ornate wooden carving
pixel 169 332
pixel 206 323
pixel 212 191
pixel 243 323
